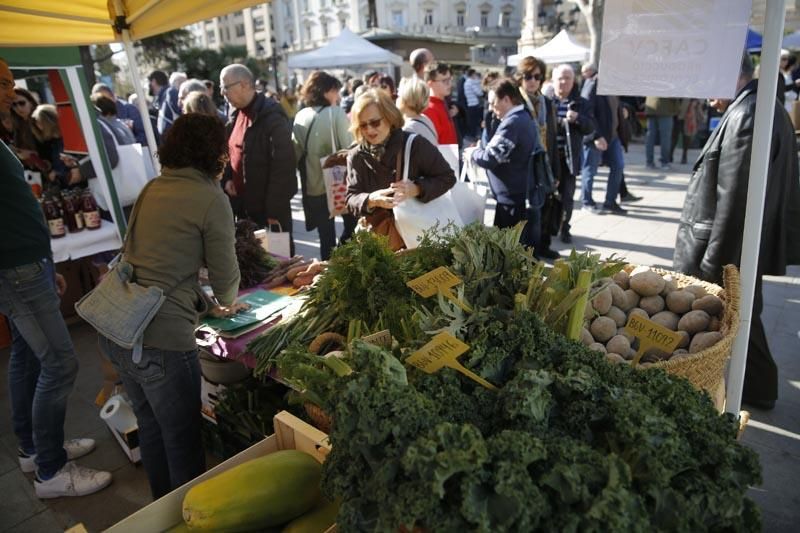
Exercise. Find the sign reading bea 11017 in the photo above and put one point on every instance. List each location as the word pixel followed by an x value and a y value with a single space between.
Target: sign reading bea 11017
pixel 651 335
pixel 443 351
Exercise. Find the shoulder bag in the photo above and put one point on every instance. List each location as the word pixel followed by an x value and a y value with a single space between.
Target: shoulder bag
pixel 119 308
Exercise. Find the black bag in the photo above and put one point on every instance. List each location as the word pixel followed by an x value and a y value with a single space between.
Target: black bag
pixel 552 214
pixel 541 181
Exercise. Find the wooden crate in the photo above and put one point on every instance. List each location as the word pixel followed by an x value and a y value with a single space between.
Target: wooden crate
pixel 291 433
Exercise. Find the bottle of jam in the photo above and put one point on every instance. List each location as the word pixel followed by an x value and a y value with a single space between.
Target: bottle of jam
pixel 91 215
pixel 54 217
pixel 72 218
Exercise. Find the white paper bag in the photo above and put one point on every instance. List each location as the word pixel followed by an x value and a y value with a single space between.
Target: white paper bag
pixel 278 242
pixel 470 201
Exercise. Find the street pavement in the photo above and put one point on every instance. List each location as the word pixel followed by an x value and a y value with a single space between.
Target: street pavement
pixel 645 236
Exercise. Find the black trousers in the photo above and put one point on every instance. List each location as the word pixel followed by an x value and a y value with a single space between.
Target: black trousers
pixel 508 215
pixel 566 188
pixel 260 218
pixel 761 372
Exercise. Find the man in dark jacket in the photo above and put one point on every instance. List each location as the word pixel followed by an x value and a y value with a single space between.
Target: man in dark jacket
pixel 506 154
pixel 260 176
pixel 574 122
pixel 603 144
pixel 712 222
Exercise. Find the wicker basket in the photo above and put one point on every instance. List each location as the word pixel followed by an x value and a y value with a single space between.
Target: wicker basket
pixel 706 369
pixel 319 418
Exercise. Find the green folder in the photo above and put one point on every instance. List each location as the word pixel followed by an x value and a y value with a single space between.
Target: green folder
pixel 263 305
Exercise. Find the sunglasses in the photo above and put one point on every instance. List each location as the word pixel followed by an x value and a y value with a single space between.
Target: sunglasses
pixel 19 103
pixel 374 124
pixel 528 76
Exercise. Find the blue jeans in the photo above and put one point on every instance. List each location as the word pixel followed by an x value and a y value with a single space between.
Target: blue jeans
pixel 661 127
pixel 614 157
pixel 43 367
pixel 164 389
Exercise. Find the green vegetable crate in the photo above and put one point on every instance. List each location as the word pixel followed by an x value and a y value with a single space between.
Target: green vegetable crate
pixel 291 433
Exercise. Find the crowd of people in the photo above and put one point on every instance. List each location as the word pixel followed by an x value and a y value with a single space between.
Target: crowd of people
pixel 533 134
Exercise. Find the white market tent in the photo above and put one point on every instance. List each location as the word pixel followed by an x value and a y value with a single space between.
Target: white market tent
pixel 559 49
pixel 792 41
pixel 345 50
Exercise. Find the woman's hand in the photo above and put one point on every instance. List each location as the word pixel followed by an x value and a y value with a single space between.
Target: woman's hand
pixel 404 189
pixel 383 198
pixel 75 176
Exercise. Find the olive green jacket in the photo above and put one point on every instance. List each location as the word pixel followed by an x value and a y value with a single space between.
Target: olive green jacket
pixel 184 223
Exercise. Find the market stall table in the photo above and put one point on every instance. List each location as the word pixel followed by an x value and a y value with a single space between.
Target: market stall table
pixel 86 243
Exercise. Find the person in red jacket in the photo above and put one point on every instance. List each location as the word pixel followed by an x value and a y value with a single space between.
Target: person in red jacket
pixel 440 83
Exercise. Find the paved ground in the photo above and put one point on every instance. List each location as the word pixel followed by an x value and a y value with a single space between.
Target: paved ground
pixel 645 236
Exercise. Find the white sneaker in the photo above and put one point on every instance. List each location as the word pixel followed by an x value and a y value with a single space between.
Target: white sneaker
pixel 72 480
pixel 75 448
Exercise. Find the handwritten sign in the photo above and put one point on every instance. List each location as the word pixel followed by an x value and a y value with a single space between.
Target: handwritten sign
pixel 651 335
pixel 381 338
pixel 438 281
pixel 443 351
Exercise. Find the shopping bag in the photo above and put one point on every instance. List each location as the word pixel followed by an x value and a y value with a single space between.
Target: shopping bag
pixel 412 217
pixel 129 176
pixel 450 154
pixel 278 242
pixel 334 175
pixel 470 201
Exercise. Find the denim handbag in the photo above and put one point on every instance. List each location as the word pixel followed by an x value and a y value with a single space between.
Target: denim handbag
pixel 119 308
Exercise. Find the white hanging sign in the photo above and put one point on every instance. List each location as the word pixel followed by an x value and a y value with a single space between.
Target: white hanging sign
pixel 678 48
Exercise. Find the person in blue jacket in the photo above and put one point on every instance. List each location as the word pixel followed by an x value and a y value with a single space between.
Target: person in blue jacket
pixel 505 155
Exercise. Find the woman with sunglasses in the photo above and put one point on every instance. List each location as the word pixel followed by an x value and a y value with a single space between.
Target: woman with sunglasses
pixel 530 75
pixel 21 111
pixel 375 165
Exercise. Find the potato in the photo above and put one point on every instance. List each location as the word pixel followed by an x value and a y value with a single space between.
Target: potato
pixel 686 338
pixel 710 304
pixel 704 340
pixel 621 331
pixel 639 269
pixel 597 347
pixel 652 304
pixel 586 337
pixel 618 344
pixel 698 290
pixel 631 300
pixel 668 319
pixel 602 301
pixel 588 311
pixel 670 285
pixel 694 321
pixel 715 324
pixel 617 315
pixel 638 311
pixel 647 283
pixel 680 301
pixel 603 328
pixel 630 356
pixel 614 358
pixel 622 279
pixel 617 295
pixel 679 351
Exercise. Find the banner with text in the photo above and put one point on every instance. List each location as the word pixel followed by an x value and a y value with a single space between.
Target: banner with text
pixel 679 48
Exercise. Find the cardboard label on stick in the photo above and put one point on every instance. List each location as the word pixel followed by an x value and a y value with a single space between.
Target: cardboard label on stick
pixel 438 281
pixel 651 335
pixel 382 338
pixel 443 351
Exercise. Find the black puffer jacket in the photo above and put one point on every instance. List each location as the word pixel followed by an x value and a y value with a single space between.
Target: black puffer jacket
pixel 269 165
pixel 712 222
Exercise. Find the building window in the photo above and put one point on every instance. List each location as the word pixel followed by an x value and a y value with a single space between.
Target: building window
pixel 324 24
pixel 505 19
pixel 484 19
pixel 308 32
pixel 460 15
pixel 397 19
pixel 240 30
pixel 227 34
pixel 428 17
pixel 305 5
pixel 210 37
pixel 342 23
pixel 258 23
pixel 271 23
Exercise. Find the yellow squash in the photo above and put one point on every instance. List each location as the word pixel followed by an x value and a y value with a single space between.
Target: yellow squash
pixel 260 493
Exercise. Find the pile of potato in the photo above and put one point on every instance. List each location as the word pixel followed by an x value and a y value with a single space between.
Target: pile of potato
pixel 689 311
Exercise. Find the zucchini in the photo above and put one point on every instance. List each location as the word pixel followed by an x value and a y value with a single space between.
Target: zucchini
pixel 318 520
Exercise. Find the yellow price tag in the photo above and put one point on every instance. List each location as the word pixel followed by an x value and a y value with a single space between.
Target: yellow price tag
pixel 651 335
pixel 381 338
pixel 438 281
pixel 443 351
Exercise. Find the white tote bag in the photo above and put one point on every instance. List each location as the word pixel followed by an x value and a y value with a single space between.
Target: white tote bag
pixel 130 175
pixel 334 175
pixel 277 242
pixel 412 217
